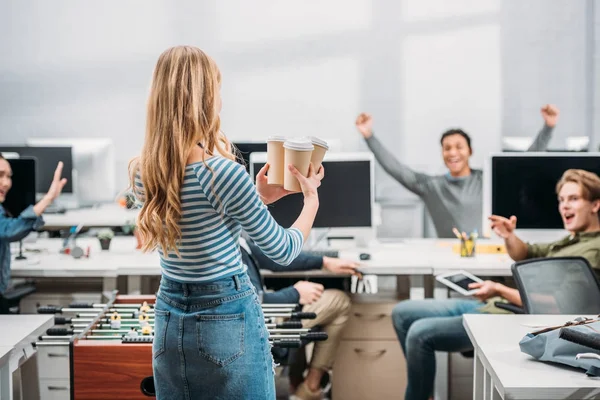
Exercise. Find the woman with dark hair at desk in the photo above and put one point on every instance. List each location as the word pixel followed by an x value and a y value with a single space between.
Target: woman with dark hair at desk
pixel 15 229
pixel 454 199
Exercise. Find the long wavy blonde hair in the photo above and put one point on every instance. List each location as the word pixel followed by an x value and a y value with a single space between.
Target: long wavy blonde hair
pixel 182 112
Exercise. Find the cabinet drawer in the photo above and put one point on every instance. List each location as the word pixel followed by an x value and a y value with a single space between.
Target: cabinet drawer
pixel 365 370
pixel 370 322
pixel 55 389
pixel 53 362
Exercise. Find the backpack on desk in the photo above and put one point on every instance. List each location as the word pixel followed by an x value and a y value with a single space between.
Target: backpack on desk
pixel 575 343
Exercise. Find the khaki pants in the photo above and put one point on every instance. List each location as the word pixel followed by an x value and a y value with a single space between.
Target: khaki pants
pixel 332 311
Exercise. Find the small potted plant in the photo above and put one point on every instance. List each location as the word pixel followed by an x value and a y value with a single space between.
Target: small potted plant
pixel 105 236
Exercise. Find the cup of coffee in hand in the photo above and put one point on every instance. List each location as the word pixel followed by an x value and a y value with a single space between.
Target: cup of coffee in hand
pixel 318 153
pixel 275 159
pixel 298 152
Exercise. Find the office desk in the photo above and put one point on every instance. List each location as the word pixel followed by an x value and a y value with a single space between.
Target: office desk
pixel 502 371
pixel 422 257
pixel 47 262
pixel 17 336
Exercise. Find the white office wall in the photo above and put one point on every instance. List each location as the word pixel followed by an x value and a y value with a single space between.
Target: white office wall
pixel 547 58
pixel 304 67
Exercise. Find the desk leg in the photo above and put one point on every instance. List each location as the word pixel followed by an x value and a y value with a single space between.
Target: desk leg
pixel 30 378
pixel 6 384
pixel 487 385
pixel 478 377
pixel 109 284
pixel 494 394
pixel 428 286
pixel 134 284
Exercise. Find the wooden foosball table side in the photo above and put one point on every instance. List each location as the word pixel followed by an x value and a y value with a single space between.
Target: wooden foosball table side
pixel 109 369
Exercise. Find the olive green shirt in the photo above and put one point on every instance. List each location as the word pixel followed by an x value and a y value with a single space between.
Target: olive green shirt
pixel 586 245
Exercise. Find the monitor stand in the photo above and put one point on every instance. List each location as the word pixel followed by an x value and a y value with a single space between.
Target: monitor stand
pixel 20 256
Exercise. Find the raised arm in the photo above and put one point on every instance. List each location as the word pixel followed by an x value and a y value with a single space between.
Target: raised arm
pixel 15 229
pixel 416 182
pixel 550 114
pixel 231 192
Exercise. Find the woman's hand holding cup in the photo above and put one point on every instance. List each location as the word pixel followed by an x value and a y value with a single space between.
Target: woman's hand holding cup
pixel 309 183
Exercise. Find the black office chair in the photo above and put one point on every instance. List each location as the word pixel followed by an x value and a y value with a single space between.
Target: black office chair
pixel 557 285
pixel 10 299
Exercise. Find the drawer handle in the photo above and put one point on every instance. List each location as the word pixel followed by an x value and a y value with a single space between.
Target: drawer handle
pixel 58 388
pixel 57 355
pixel 377 353
pixel 370 317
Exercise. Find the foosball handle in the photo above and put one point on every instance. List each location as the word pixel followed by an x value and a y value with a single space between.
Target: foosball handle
pixel 81 305
pixel 49 310
pixel 315 336
pixel 61 321
pixel 304 315
pixel 290 325
pixel 288 344
pixel 59 332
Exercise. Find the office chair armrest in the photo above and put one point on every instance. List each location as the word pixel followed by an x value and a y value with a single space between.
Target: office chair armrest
pixel 509 307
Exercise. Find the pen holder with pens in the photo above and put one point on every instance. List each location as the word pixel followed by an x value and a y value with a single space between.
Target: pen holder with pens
pixel 467 243
pixel 467 247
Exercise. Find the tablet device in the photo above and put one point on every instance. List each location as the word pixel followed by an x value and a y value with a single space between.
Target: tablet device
pixel 459 281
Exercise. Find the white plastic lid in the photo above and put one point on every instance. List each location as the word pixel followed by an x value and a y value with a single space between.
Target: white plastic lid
pixel 276 139
pixel 299 145
pixel 319 142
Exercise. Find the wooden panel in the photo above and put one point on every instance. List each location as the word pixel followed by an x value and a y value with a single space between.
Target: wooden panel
pixel 104 370
pixel 135 299
pixel 370 321
pixel 366 370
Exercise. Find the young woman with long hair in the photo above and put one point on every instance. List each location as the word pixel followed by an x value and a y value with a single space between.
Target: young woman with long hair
pixel 210 338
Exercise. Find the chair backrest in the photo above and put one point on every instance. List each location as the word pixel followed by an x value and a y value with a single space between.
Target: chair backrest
pixel 557 285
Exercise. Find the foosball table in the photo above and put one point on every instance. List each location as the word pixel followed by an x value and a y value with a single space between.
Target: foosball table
pixel 110 345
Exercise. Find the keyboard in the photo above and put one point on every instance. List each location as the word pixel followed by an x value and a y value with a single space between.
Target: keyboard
pixel 55 210
pixel 324 253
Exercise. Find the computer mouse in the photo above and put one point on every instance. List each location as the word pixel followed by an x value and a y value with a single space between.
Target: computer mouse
pixel 365 256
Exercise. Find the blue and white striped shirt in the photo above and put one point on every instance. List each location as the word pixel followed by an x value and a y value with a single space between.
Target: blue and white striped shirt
pixel 215 207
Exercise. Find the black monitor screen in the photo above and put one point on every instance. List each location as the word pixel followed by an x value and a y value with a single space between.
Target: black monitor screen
pixel 526 187
pixel 247 148
pixel 47 159
pixel 22 193
pixel 344 197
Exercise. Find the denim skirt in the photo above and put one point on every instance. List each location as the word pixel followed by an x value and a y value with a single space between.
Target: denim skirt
pixel 211 342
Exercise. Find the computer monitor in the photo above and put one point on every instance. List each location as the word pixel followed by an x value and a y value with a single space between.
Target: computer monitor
pixel 246 149
pixel 22 193
pixel 346 195
pixel 47 159
pixel 524 185
pixel 93 167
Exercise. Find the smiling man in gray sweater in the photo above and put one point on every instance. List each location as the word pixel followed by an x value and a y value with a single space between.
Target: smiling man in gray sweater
pixel 454 199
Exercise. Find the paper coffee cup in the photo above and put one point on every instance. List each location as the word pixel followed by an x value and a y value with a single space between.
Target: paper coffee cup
pixel 298 153
pixel 318 153
pixel 275 159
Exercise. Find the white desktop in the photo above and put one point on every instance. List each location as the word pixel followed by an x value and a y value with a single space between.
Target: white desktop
pixel 93 169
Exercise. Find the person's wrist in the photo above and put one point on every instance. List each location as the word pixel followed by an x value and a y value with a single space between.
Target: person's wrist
pixel 326 262
pixel 497 288
pixel 311 199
